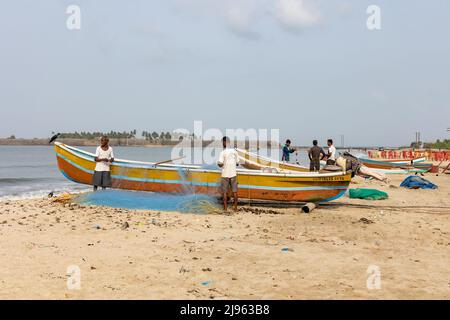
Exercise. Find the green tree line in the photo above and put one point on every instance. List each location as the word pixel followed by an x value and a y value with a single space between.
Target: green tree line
pixel 154 136
pixel 95 135
pixel 444 144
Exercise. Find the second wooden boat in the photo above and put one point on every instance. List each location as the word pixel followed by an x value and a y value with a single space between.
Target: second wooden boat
pixel 257 162
pixel 395 164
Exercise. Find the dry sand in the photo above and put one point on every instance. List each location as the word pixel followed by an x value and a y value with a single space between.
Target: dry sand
pixel 170 255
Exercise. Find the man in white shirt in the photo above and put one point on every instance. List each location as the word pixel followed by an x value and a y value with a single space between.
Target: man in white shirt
pixel 104 157
pixel 331 156
pixel 228 160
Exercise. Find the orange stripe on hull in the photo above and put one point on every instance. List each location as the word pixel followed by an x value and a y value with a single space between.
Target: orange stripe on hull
pixel 73 172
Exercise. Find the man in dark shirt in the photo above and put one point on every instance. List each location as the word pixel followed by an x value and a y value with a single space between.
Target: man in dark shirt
pixel 315 154
pixel 287 150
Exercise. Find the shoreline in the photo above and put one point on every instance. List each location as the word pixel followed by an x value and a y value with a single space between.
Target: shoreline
pixel 173 255
pixel 85 142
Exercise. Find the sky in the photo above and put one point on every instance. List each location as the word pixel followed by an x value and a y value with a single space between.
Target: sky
pixel 310 68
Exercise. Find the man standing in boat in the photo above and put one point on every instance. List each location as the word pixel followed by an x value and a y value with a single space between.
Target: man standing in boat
pixel 315 154
pixel 104 156
pixel 331 156
pixel 228 160
pixel 287 150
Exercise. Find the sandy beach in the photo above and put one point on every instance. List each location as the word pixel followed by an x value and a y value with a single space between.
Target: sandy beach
pixel 257 253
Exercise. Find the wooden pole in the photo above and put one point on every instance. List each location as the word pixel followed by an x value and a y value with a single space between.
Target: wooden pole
pixel 170 160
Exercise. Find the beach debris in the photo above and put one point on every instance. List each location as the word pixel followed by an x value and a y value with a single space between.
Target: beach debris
pixel 287 249
pixel 96 227
pixel 63 199
pixel 205 283
pixel 307 208
pixel 183 270
pixel 50 195
pixel 258 210
pixel 125 225
pixel 365 220
pixel 193 291
pixel 155 223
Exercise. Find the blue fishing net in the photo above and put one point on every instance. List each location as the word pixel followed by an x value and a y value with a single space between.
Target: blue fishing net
pixel 192 203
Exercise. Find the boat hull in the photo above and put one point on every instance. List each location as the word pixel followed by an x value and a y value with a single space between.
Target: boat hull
pixel 407 165
pixel 78 166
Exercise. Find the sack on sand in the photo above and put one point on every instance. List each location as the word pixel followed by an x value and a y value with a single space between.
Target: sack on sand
pixel 367 194
pixel 414 182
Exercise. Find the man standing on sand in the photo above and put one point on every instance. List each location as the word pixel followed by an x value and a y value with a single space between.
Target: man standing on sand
pixel 104 156
pixel 315 154
pixel 228 160
pixel 331 156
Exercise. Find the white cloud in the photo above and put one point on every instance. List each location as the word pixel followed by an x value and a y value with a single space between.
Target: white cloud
pixel 296 15
pixel 241 21
pixel 242 16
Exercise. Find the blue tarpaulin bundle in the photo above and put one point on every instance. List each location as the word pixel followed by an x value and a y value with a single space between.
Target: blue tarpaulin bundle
pixel 415 182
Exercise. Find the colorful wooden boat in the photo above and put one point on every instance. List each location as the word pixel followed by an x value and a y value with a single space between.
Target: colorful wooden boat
pixel 255 161
pixel 78 166
pixel 423 166
pixel 391 163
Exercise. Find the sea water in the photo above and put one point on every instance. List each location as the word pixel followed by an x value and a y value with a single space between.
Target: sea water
pixel 32 171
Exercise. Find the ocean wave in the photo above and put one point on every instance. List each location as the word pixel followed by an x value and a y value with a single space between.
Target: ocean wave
pixel 42 193
pixel 15 181
pixel 31 166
